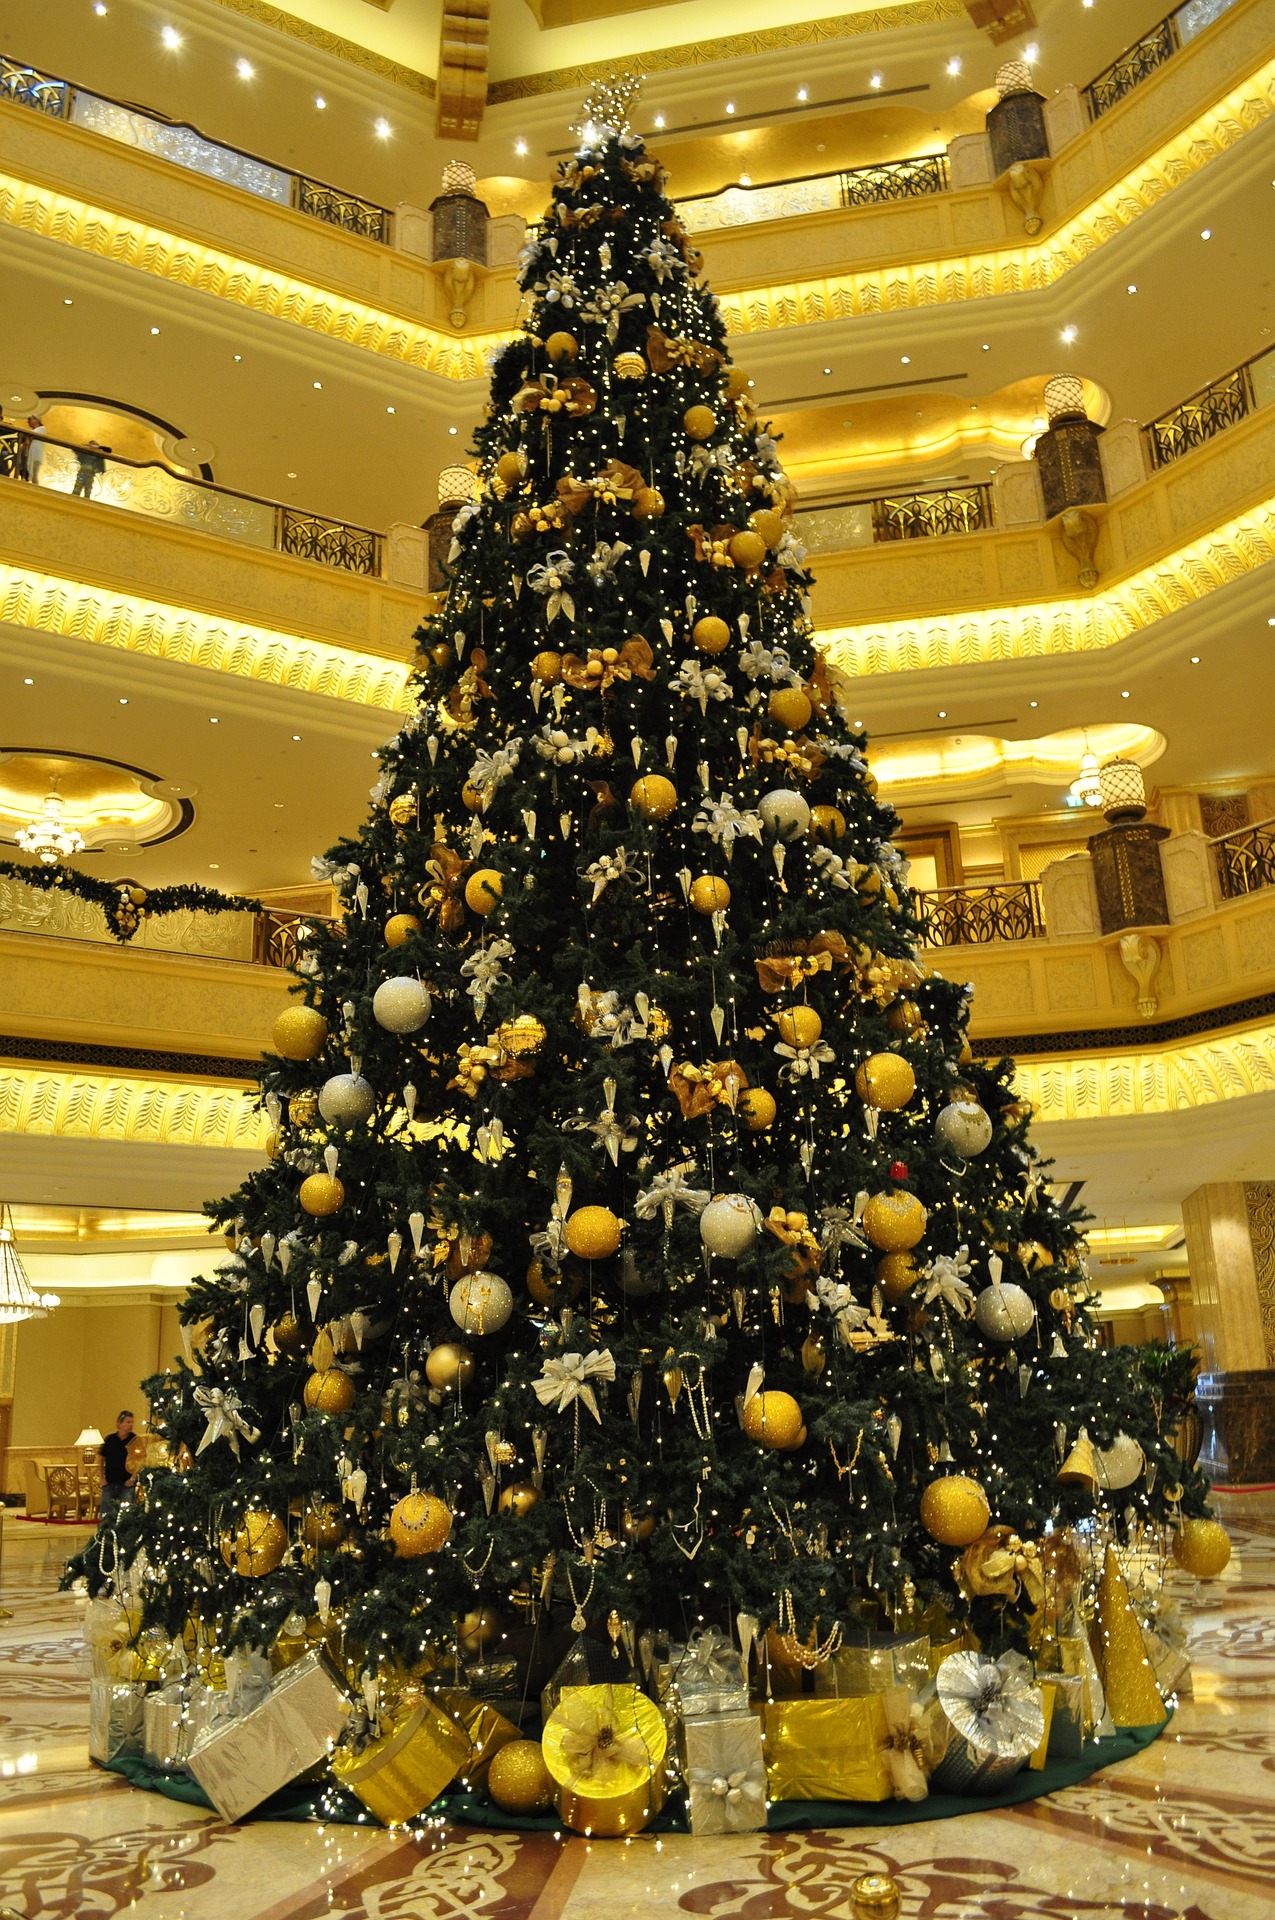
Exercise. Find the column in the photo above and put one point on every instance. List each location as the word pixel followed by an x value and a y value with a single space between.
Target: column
pixel 1230 1238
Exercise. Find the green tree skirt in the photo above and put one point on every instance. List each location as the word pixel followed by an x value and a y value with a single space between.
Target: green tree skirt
pixel 331 1803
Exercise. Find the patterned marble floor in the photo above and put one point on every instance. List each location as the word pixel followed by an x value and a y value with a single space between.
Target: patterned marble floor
pixel 1186 1831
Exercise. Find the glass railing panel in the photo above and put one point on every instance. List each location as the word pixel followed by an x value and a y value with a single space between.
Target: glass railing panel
pixel 744 206
pixel 829 529
pixel 1196 15
pixel 182 146
pixel 160 495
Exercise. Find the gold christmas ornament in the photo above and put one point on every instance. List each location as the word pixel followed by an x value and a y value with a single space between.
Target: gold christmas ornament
pixel 402 810
pixel 274 1145
pixel 894 1221
pixel 748 550
pixel 629 366
pixel 300 1033
pixel 636 1527
pixel 737 383
pixel 321 1194
pixel 288 1336
pixel 518 1498
pixel 471 798
pixel 480 1303
pixel 1202 1548
pixel 711 634
pixel 449 1365
pixel 903 1016
pixel 954 1510
pixel 654 796
pixel 648 503
pixel 546 1289
pixel 256 1546
pixel 798 1026
pixel 476 1631
pixel 756 1108
pixel 789 707
pixel 1080 1468
pixel 303 1107
pixel 827 824
pixel 518 1781
pixel 700 423
pixel 885 1081
pixel 769 524
pixel 593 1233
pixel 321 1524
pixel 483 889
pixel 419 1524
pixel 522 1035
pixel 331 1391
pixel 562 346
pixel 875 1896
pixel 1133 1698
pixel 399 929
pixel 547 668
pixel 775 1421
pixel 896 1275
pixel 709 894
pixel 509 470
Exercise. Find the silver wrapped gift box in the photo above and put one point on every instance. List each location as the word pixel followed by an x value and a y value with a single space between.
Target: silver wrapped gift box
pixel 242 1762
pixel 115 1718
pixel 725 1772
pixel 175 1719
pixel 997 1720
pixel 708 1675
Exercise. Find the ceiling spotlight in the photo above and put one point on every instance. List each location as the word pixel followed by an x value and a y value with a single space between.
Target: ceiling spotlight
pixel 987 346
pixel 1031 54
pixel 1125 694
pixel 953 67
pixel 1195 659
pixel 389 409
pixel 171 38
pixel 875 81
pixel 382 129
pixel 296 736
pixel 1131 288
pixel 68 302
pixel 1067 335
pixel 942 713
pixel 730 106
pixel 320 102
pixel 317 385
pixel 659 119
pixel 520 148
pixel 453 430
pixel 1033 703
pixel 100 8
pixel 245 69
pixel 1206 233
pixel 905 360
pixel 154 331
pixel 213 721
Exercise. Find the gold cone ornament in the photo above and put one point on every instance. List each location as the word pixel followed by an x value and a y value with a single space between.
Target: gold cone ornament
pixel 1080 1468
pixel 1133 1699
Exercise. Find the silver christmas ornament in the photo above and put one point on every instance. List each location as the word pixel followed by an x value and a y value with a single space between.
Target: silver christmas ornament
pixel 1004 1312
pixel 963 1128
pixel 729 1225
pixel 480 1303
pixel 401 1005
pixel 1120 1464
pixel 346 1100
pixel 784 813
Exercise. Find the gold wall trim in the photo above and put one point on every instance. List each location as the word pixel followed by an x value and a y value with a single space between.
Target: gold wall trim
pixel 1081 625
pixel 44 603
pixel 325 42
pixel 1029 268
pixel 1170 1079
pixel 735 46
pixel 75 1105
pixel 245 283
pixel 1259 1205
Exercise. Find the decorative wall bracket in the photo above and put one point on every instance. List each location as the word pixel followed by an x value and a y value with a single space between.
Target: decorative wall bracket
pixel 1140 956
pixel 1079 531
pixel 1025 185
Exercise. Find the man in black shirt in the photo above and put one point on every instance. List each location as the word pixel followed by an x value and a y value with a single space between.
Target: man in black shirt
pixel 117 1481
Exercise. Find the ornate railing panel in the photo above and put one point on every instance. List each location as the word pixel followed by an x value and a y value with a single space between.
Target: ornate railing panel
pixel 344 210
pixel 279 938
pixel 741 206
pixel 1132 67
pixel 976 916
pixel 1246 860
pixel 894 180
pixel 27 87
pixel 1190 424
pixel 925 516
pixel 331 542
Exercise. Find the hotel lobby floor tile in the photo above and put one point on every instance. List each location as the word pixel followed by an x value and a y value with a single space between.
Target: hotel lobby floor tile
pixel 1184 1831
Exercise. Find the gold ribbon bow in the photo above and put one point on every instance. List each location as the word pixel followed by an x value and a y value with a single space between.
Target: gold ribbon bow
pixel 617 484
pixel 605 665
pixel 441 892
pixel 806 958
pixel 712 547
pixel 800 756
pixel 548 394
pixel 699 1089
pixel 665 351
pixel 1002 1563
pixel 457 711
pixel 472 1067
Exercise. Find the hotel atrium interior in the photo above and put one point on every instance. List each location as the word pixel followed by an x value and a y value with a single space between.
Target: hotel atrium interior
pixel 303 301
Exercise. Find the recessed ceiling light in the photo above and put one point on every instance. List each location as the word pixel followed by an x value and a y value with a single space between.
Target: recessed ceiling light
pixel 292 476
pixel 1206 233
pixel 1195 659
pixel 382 129
pixel 171 38
pixel 245 69
pixel 320 102
pixel 68 303
pixel 942 713
pixel 123 702
pixel 659 119
pixel 987 346
pixel 1067 335
pixel 1125 694
pixel 1031 54
pixel 827 369
pixel 730 106
pixel 453 430
pixel 953 67
pixel 213 721
pixel 317 385
pixel 100 8
pixel 154 331
pixel 28 683
pixel 875 81
pixel 296 736
pixel 520 147
pixel 389 409
pixel 745 179
pixel 238 356
pixel 1131 288
pixel 214 866
pixel 905 360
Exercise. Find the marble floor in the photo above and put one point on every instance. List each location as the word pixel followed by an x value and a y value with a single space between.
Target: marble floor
pixel 1185 1831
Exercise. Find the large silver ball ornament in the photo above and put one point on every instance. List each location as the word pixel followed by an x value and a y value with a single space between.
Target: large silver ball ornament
pixel 1120 1464
pixel 729 1225
pixel 481 1302
pixel 784 813
pixel 345 1101
pixel 963 1128
pixel 1004 1312
pixel 401 1005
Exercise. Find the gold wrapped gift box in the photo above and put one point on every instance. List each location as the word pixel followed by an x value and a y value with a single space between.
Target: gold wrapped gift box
pixel 604 1747
pixel 822 1749
pixel 488 1731
pixel 402 1773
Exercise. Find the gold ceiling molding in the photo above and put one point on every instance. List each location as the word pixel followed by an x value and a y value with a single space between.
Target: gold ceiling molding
pixel 1029 268
pixel 72 1104
pixel 245 283
pixel 45 604
pixel 325 42
pixel 1169 1079
pixel 735 46
pixel 1083 625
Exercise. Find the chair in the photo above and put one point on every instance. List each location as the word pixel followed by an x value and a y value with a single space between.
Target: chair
pixel 64 1493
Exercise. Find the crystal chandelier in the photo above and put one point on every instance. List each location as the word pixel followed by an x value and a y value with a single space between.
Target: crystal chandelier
pixel 18 1298
pixel 49 837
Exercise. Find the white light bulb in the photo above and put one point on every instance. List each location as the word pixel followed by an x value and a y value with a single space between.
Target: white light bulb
pixel 171 38
pixel 382 129
pixel 320 102
pixel 953 67
pixel 520 147
pixel 802 94
pixel 245 69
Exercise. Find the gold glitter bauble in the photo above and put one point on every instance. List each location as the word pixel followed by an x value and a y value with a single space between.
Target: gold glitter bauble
pixel 562 346
pixel 321 1194
pixel 518 1781
pixel 775 1420
pixel 747 550
pixel 737 382
pixel 1202 1548
pixel 274 1145
pixel 471 798
pixel 399 929
pixel 954 1510
pixel 321 1524
pixel 303 1107
pixel 896 1275
pixel 769 524
pixel 756 1108
pixel 885 1081
pixel 509 470
pixel 546 1289
pixel 256 1546
pixel 799 1026
pixel 475 1631
pixel 827 823
pixel 522 1035
pixel 402 809
pixel 629 366
pixel 300 1033
pixel 449 1365
pixel 711 634
pixel 593 1233
pixel 331 1391
pixel 903 1016
pixel 483 890
pixel 546 668
pixel 709 894
pixel 419 1524
pixel 653 795
pixel 518 1497
pixel 790 707
pixel 700 423
pixel 648 503
pixel 894 1221
pixel 288 1336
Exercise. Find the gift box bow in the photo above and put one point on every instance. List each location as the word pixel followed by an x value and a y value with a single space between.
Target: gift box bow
pixel 709 1661
pixel 994 1704
pixel 735 1789
pixel 598 1752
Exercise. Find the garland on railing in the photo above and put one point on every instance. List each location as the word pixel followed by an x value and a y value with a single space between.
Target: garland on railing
pixel 124 903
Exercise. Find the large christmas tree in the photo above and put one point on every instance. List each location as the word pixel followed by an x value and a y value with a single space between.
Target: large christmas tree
pixel 640 1240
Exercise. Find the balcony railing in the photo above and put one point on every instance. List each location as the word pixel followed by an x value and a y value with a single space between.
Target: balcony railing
pixel 927 516
pixel 185 146
pixel 1216 407
pixel 1138 62
pixel 977 916
pixel 1246 860
pixel 279 938
pixel 740 206
pixel 153 490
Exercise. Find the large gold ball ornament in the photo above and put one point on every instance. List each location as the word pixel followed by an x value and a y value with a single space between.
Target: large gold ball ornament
pixel 399 929
pixel 522 1035
pixel 546 1289
pixel 321 1194
pixel 756 1108
pixel 478 1630
pixel 329 1392
pixel 483 889
pixel 321 1524
pixel 769 524
pixel 747 550
pixel 300 1033
pixel 711 634
pixel 449 1365
pixel 471 798
pixel 629 366
pixel 789 707
pixel 256 1546
pixel 509 470
pixel 737 383
pixel 1202 1548
pixel 518 1498
pixel 894 1221
pixel 547 667
pixel 903 1016
pixel 480 1303
pixel 593 1233
pixel 798 1026
pixel 648 503
pixel 700 423
pixel 419 1524
pixel 562 346
pixel 303 1107
pixel 654 796
pixel 896 1275
pixel 402 810
pixel 775 1421
pixel 288 1335
pixel 709 894
pixel 827 824
pixel 885 1081
pixel 518 1781
pixel 954 1510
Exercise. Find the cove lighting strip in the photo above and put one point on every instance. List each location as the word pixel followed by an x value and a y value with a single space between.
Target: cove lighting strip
pixel 1171 1079
pixel 69 1104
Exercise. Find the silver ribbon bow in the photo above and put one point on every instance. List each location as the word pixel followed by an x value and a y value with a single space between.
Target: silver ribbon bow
pixel 804 1061
pixel 994 1704
pixel 609 870
pixel 832 868
pixel 569 1379
pixel 551 577
pixel 614 1134
pixel 838 1297
pixel 490 770
pixel 710 1660
pixel 224 1412
pixel 485 970
pixel 725 823
pixel 606 557
pixel 945 1281
pixel 666 1191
